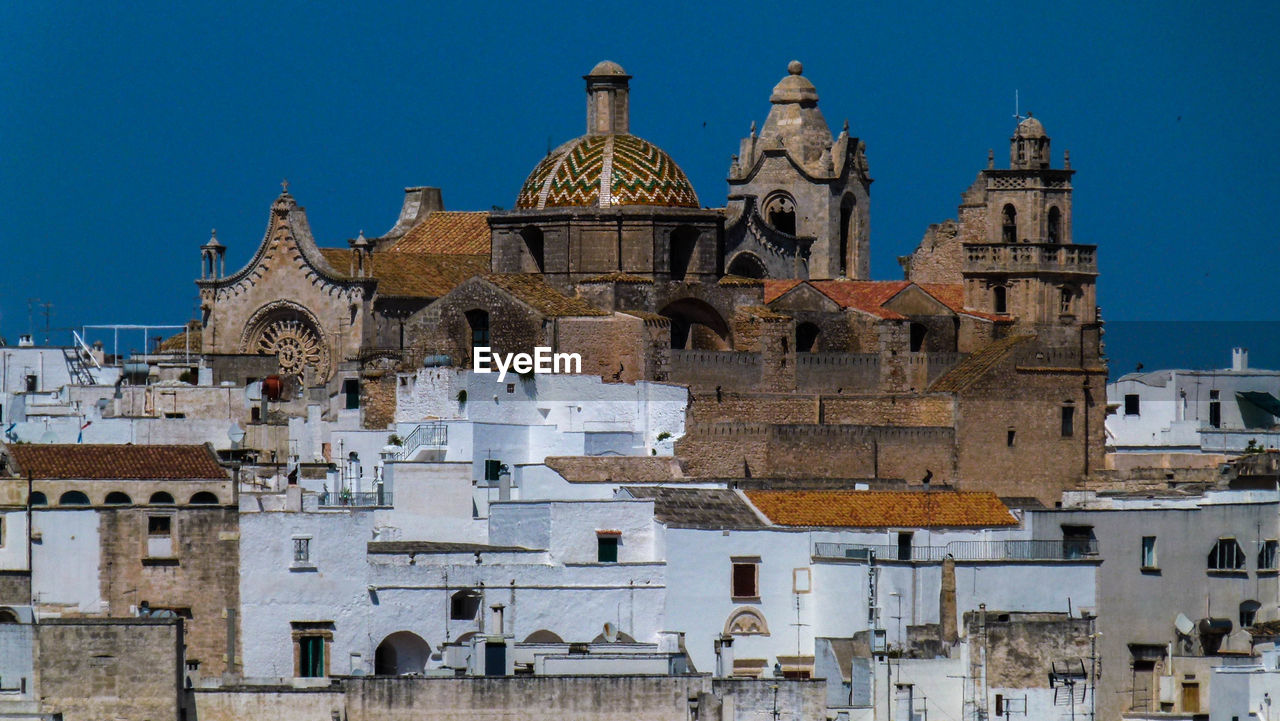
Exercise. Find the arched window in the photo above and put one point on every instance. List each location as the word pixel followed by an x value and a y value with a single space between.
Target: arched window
pixel 807 337
pixel 1009 225
pixel 1226 556
pixel 999 299
pixel 116 498
pixel 746 622
pixel 478 322
pixel 204 498
pixel 747 265
pixel 780 212
pixel 402 652
pixel 684 240
pixel 1249 613
pixel 696 325
pixel 160 498
pixel 846 232
pixel 1055 225
pixel 8 615
pixel 73 498
pixel 464 605
pixel 39 499
pixel 532 236
pixel 918 333
pixel 1065 296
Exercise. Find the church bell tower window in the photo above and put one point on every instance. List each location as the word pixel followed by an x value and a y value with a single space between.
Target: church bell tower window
pixel 1055 225
pixel 1009 226
pixel 780 213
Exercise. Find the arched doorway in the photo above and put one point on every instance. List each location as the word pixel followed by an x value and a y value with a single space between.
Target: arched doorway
pixel 695 325
pixel 747 265
pixel 807 337
pixel 400 653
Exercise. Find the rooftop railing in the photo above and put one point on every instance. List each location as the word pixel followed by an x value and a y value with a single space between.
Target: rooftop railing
pixel 363 499
pixel 1017 550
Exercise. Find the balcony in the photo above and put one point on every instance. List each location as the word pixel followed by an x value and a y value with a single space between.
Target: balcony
pixel 370 499
pixel 1069 550
pixel 1030 258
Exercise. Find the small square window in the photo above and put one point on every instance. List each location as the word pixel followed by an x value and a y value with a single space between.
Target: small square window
pixel 607 549
pixel 1149 552
pixel 746 579
pixel 159 525
pixel 301 550
pixel 1131 404
pixel 511 387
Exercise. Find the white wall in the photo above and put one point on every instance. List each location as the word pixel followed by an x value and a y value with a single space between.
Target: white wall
pixel 66 560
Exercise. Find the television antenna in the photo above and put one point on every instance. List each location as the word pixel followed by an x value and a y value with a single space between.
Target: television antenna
pixel 1017 113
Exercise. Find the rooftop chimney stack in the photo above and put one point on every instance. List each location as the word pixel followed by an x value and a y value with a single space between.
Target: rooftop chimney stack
pixel 1239 359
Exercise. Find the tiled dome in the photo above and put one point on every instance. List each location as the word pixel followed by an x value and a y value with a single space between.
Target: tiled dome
pixel 605 171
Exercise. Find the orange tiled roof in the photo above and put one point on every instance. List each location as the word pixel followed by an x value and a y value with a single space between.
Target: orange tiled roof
pixel 952 296
pixel 774 289
pixel 413 275
pixel 868 296
pixel 619 277
pixel 539 295
pixel 977 365
pixel 88 462
pixel 448 232
pixel 882 509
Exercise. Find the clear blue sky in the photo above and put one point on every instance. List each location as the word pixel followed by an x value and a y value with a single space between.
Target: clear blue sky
pixel 131 129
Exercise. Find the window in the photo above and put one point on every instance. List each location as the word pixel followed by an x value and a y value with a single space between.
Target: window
pixel 607 548
pixel 1068 421
pixel 1078 541
pixel 1267 555
pixel 351 389
pixel 311 656
pixel 1 531
pixel 1131 404
pixel 533 242
pixel 159 536
pixel 904 546
pixel 1215 410
pixel 1009 225
pixel 302 550
pixel 1149 552
pixel 1055 225
pixel 1010 436
pixel 1000 299
pixel 780 212
pixel 684 240
pixel 73 498
pixel 478 322
pixel 32 383
pixel 846 230
pixel 746 578
pixel 1226 556
pixel 1249 613
pixel 1064 301
pixel 464 605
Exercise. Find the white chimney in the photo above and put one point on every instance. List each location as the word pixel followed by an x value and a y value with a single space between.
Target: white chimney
pixel 1239 359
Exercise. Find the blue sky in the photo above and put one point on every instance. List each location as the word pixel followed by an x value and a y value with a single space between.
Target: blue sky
pixel 130 130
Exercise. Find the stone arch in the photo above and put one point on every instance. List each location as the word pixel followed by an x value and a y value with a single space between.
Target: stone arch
pixel 807 335
pixel 780 212
pixel 696 325
pixel 747 265
pixel 161 498
pixel 746 621
pixel 116 498
pixel 683 243
pixel 73 498
pixel 292 334
pixel 38 498
pixel 534 243
pixel 8 615
pixel 206 498
pixel 543 636
pixel 400 653
pixel 464 605
pixel 1009 224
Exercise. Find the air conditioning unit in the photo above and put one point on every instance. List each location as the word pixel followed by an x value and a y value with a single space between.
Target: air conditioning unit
pixel 1168 689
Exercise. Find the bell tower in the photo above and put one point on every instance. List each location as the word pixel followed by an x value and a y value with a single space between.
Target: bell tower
pixel 1019 257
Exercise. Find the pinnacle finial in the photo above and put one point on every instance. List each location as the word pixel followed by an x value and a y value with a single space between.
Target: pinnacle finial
pixel 753 128
pixel 846 125
pixel 284 185
pixel 795 67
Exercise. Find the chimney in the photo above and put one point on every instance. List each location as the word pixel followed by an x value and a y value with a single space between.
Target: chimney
pixel 419 202
pixel 1239 359
pixel 497 619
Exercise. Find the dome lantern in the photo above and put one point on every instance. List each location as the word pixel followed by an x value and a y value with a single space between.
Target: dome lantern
pixel 608 104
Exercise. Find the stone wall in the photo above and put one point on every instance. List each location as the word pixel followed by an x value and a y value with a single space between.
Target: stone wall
pixel 201 576
pixel 1021 647
pixel 938 257
pixel 93 669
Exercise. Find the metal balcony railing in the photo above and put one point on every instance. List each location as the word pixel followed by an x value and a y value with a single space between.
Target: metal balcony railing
pixel 964 551
pixel 355 500
pixel 425 435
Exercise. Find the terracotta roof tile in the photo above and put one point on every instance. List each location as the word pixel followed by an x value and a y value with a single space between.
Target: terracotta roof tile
pixel 617 469
pixel 714 508
pixel 882 509
pixel 448 232
pixel 774 289
pixel 413 275
pixel 733 281
pixel 87 462
pixel 977 365
pixel 868 296
pixel 539 295
pixel 952 296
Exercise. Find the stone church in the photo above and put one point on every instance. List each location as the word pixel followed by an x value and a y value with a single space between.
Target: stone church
pixel 981 368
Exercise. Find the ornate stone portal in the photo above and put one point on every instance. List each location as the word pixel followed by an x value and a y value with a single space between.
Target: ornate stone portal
pixel 294 345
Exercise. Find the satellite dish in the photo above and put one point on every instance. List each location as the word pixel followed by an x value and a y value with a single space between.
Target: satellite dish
pixel 610 632
pixel 1184 625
